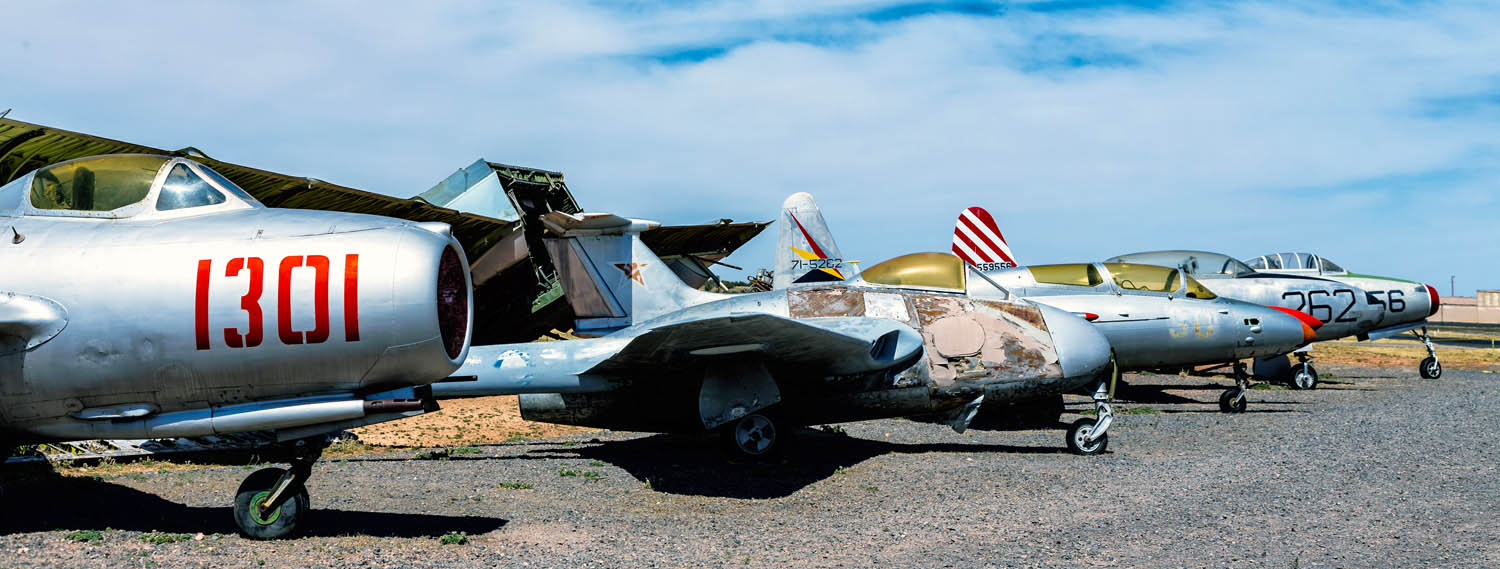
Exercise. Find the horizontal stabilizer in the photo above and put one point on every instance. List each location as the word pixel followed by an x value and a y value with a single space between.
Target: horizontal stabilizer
pixel 825 346
pixel 588 224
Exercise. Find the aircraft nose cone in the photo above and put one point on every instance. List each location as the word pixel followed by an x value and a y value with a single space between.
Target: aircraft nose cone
pixel 1286 329
pixel 1082 350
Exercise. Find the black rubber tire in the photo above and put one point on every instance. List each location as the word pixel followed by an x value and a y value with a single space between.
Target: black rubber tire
pixel 1303 376
pixel 753 436
pixel 1080 429
pixel 286 521
pixel 1430 368
pixel 1227 404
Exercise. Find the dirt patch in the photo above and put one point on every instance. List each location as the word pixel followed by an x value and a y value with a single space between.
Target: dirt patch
pixel 463 422
pixel 1396 354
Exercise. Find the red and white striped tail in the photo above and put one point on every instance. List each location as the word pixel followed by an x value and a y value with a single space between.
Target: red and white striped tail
pixel 977 240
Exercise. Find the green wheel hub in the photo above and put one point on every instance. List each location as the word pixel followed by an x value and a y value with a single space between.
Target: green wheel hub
pixel 255 509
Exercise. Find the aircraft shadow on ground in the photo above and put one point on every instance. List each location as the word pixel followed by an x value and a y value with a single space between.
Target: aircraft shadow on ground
pixel 46 503
pixel 694 466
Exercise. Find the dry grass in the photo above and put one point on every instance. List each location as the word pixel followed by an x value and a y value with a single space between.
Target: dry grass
pixel 1403 354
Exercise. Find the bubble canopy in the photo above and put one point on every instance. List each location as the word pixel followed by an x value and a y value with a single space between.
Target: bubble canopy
pixel 1196 263
pixel 122 185
pixel 921 270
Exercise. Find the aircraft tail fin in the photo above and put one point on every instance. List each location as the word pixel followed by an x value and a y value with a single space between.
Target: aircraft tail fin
pixel 611 278
pixel 977 240
pixel 805 249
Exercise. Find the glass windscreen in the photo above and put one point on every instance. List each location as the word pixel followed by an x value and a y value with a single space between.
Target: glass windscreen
pixel 1078 274
pixel 1190 262
pixel 96 183
pixel 184 189
pixel 1330 266
pixel 931 270
pixel 227 185
pixel 1196 289
pixel 1153 278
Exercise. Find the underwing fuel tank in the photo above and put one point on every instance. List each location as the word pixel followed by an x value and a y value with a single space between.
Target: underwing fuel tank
pixel 175 320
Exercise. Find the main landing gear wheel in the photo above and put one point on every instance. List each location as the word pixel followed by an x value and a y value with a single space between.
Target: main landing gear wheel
pixel 1430 368
pixel 1078 436
pixel 272 503
pixel 753 436
pixel 1304 376
pixel 255 520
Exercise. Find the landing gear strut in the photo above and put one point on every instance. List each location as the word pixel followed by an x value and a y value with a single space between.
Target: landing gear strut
pixel 1091 436
pixel 1233 399
pixel 272 503
pixel 1430 368
pixel 1304 376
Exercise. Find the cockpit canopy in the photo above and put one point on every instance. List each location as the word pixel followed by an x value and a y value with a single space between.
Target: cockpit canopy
pixel 920 270
pixel 1196 263
pixel 1126 276
pixel 1295 262
pixel 119 186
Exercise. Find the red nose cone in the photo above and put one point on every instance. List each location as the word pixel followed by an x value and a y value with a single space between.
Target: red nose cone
pixel 1307 319
pixel 1090 316
pixel 1433 296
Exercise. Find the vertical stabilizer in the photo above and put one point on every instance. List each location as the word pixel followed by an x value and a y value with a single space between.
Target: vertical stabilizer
pixel 805 250
pixel 977 240
pixel 611 279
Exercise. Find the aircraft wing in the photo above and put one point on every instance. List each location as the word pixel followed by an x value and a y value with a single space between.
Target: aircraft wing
pixel 823 346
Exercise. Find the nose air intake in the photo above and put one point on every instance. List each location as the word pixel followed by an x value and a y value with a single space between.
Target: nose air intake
pixel 452 303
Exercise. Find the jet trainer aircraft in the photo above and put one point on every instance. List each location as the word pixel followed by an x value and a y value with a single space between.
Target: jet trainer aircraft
pixel 904 339
pixel 1348 304
pixel 1403 305
pixel 149 297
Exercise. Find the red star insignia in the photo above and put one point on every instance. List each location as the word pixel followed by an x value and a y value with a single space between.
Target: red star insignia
pixel 633 270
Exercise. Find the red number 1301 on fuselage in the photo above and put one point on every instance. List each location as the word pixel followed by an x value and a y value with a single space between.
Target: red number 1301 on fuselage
pixel 254 333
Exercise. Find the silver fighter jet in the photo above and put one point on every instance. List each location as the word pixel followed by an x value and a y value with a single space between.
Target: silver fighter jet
pixel 904 339
pixel 147 296
pixel 1349 305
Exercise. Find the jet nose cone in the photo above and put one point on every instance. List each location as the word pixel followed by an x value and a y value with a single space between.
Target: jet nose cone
pixel 1432 297
pixel 1082 350
pixel 1284 329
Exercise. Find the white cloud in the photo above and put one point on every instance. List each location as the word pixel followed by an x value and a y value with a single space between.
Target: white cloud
pixel 1197 130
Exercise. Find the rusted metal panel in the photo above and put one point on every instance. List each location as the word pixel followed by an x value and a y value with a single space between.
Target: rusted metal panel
pixel 825 302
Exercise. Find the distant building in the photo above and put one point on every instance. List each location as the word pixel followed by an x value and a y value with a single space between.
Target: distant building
pixel 1484 308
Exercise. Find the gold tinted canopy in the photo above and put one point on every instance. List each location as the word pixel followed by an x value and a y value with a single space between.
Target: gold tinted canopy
pixel 96 183
pixel 927 270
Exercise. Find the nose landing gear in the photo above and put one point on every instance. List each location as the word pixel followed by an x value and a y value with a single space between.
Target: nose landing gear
pixel 1430 368
pixel 1091 436
pixel 1233 399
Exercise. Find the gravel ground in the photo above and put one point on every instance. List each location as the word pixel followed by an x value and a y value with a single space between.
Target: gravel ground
pixel 1376 468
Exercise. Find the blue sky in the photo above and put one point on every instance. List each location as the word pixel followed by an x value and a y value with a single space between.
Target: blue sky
pixel 1369 132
